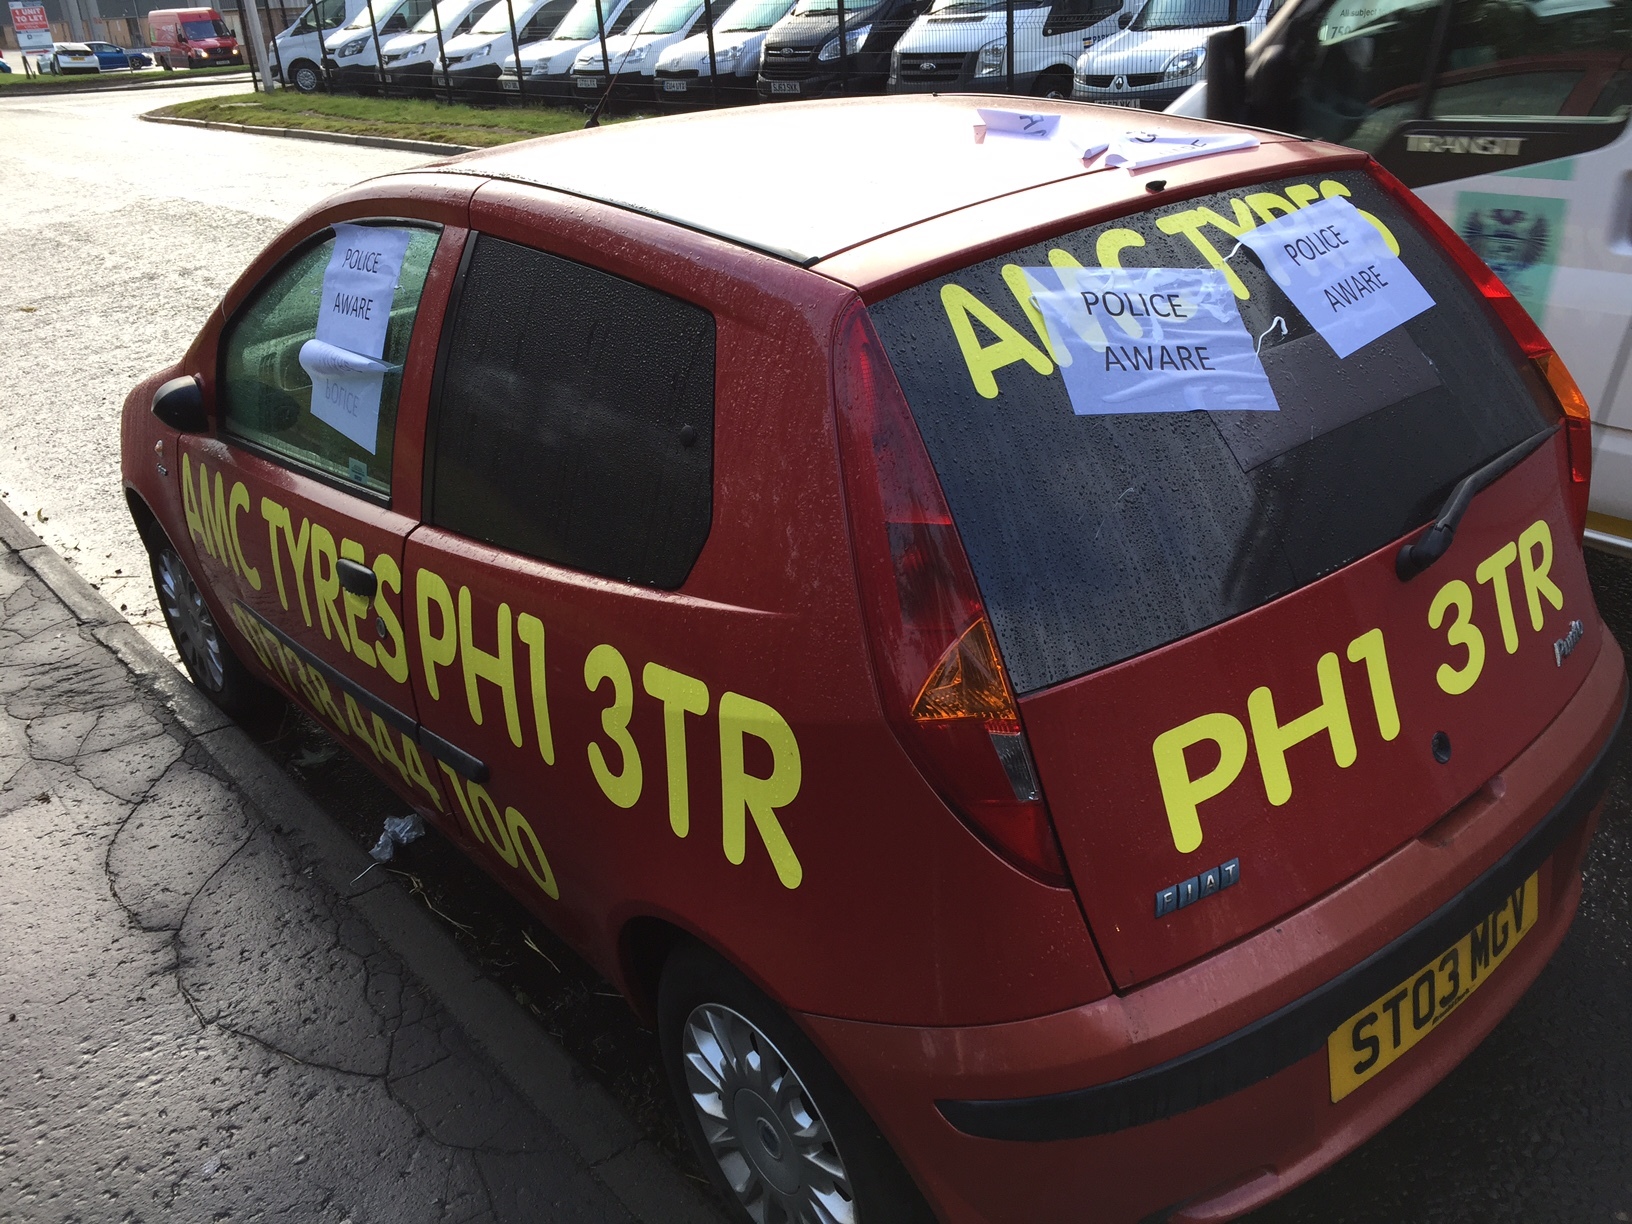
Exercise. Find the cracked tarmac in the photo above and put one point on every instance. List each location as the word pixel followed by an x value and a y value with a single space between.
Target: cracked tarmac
pixel 196 1027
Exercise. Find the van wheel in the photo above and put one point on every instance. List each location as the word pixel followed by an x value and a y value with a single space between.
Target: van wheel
pixel 303 74
pixel 164 62
pixel 780 1135
pixel 214 668
pixel 1054 83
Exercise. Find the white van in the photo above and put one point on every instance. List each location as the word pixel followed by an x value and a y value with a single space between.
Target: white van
pixel 963 44
pixel 409 56
pixel 1161 53
pixel 1520 141
pixel 351 56
pixel 473 60
pixel 685 73
pixel 548 62
pixel 299 49
pixel 631 57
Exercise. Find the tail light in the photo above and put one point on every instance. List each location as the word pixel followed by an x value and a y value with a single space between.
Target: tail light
pixel 1529 337
pixel 939 673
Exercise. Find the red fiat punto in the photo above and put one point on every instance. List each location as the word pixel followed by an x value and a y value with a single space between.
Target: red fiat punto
pixel 1061 679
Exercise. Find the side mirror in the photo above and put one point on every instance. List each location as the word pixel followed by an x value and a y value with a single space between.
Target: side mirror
pixel 1227 75
pixel 1124 21
pixel 179 403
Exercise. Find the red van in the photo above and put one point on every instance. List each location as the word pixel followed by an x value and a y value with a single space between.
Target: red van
pixel 192 38
pixel 1063 690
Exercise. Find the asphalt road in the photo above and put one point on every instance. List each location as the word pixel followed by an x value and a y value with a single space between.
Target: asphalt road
pixel 123 236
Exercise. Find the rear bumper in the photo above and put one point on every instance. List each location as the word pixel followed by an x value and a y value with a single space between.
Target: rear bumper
pixel 1206 1093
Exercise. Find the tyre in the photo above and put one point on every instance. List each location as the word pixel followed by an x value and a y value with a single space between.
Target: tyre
pixel 304 76
pixel 1054 83
pixel 780 1135
pixel 214 668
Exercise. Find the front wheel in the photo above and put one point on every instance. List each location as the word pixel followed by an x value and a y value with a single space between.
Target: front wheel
pixel 305 76
pixel 780 1135
pixel 214 668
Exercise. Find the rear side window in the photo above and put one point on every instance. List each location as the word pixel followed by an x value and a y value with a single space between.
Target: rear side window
pixel 1097 537
pixel 576 418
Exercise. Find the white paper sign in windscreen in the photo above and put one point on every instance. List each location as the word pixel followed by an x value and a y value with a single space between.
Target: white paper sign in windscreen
pixel 1133 340
pixel 343 361
pixel 1339 272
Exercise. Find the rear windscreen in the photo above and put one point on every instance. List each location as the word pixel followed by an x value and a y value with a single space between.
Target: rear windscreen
pixel 1107 511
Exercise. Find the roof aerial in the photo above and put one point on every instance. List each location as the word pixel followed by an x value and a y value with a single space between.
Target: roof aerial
pixel 807 180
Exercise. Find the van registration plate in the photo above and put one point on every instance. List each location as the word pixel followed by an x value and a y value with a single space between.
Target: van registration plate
pixel 784 86
pixel 506 83
pixel 586 82
pixel 1378 1035
pixel 674 87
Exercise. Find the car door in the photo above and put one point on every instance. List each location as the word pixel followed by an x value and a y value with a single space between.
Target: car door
pixel 299 501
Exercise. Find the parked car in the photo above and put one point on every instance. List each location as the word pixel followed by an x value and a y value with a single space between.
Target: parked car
pixel 111 57
pixel 473 60
pixel 69 58
pixel 628 70
pixel 686 71
pixel 804 58
pixel 548 62
pixel 1521 144
pixel 964 45
pixel 192 38
pixel 1163 50
pixel 352 54
pixel 298 50
pixel 409 56
pixel 1018 756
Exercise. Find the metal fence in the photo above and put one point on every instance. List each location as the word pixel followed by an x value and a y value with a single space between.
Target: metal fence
pixel 665 54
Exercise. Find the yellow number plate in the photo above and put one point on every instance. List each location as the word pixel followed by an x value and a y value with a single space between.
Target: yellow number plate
pixel 1376 1036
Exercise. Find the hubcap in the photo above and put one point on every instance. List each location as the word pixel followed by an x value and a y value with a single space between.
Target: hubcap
pixel 761 1124
pixel 190 622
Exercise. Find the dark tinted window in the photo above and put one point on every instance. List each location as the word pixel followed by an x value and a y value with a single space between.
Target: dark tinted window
pixel 576 418
pixel 1096 537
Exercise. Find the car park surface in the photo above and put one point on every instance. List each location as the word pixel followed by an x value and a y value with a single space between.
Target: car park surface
pixel 1002 1134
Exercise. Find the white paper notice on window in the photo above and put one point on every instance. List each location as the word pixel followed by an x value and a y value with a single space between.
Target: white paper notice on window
pixel 1339 272
pixel 1150 340
pixel 1017 123
pixel 354 313
pixel 1142 150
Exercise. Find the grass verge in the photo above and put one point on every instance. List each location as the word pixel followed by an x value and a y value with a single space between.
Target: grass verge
pixel 401 118
pixel 50 81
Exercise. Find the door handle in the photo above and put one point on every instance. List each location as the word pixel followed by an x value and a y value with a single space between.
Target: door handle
pixel 356 578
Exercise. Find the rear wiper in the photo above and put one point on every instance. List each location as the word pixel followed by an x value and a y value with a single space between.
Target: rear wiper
pixel 1433 543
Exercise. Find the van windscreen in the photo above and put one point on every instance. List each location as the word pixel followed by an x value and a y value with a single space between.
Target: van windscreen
pixel 1160 486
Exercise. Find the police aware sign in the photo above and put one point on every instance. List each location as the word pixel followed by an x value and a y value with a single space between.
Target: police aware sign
pixel 1150 340
pixel 1339 272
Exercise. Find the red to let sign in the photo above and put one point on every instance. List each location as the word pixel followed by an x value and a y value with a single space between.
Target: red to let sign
pixel 33 29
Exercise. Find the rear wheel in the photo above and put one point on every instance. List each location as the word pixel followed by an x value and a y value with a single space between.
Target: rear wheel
pixel 214 668
pixel 1053 83
pixel 780 1135
pixel 303 74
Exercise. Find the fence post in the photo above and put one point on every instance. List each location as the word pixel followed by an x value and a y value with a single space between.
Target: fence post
pixel 1009 42
pixel 255 46
pixel 277 56
pixel 606 61
pixel 379 56
pixel 515 50
pixel 844 55
pixel 441 56
pixel 713 64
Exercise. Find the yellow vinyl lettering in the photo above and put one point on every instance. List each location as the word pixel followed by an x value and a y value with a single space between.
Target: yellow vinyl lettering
pixel 413 766
pixel 1462 632
pixel 605 663
pixel 1271 739
pixel 1330 188
pixel 497 669
pixel 189 500
pixel 1269 205
pixel 1182 794
pixel 359 724
pixel 435 649
pixel 983 363
pixel 238 504
pixel 531 631
pixel 493 829
pixel 1368 649
pixel 323 699
pixel 1537 541
pixel 394 662
pixel 1020 285
pixel 1190 224
pixel 681 695
pixel 742 794
pixel 356 608
pixel 542 875
pixel 1493 569
pixel 1108 249
pixel 326 586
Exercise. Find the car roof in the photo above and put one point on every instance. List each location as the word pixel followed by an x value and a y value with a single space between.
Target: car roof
pixel 806 180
